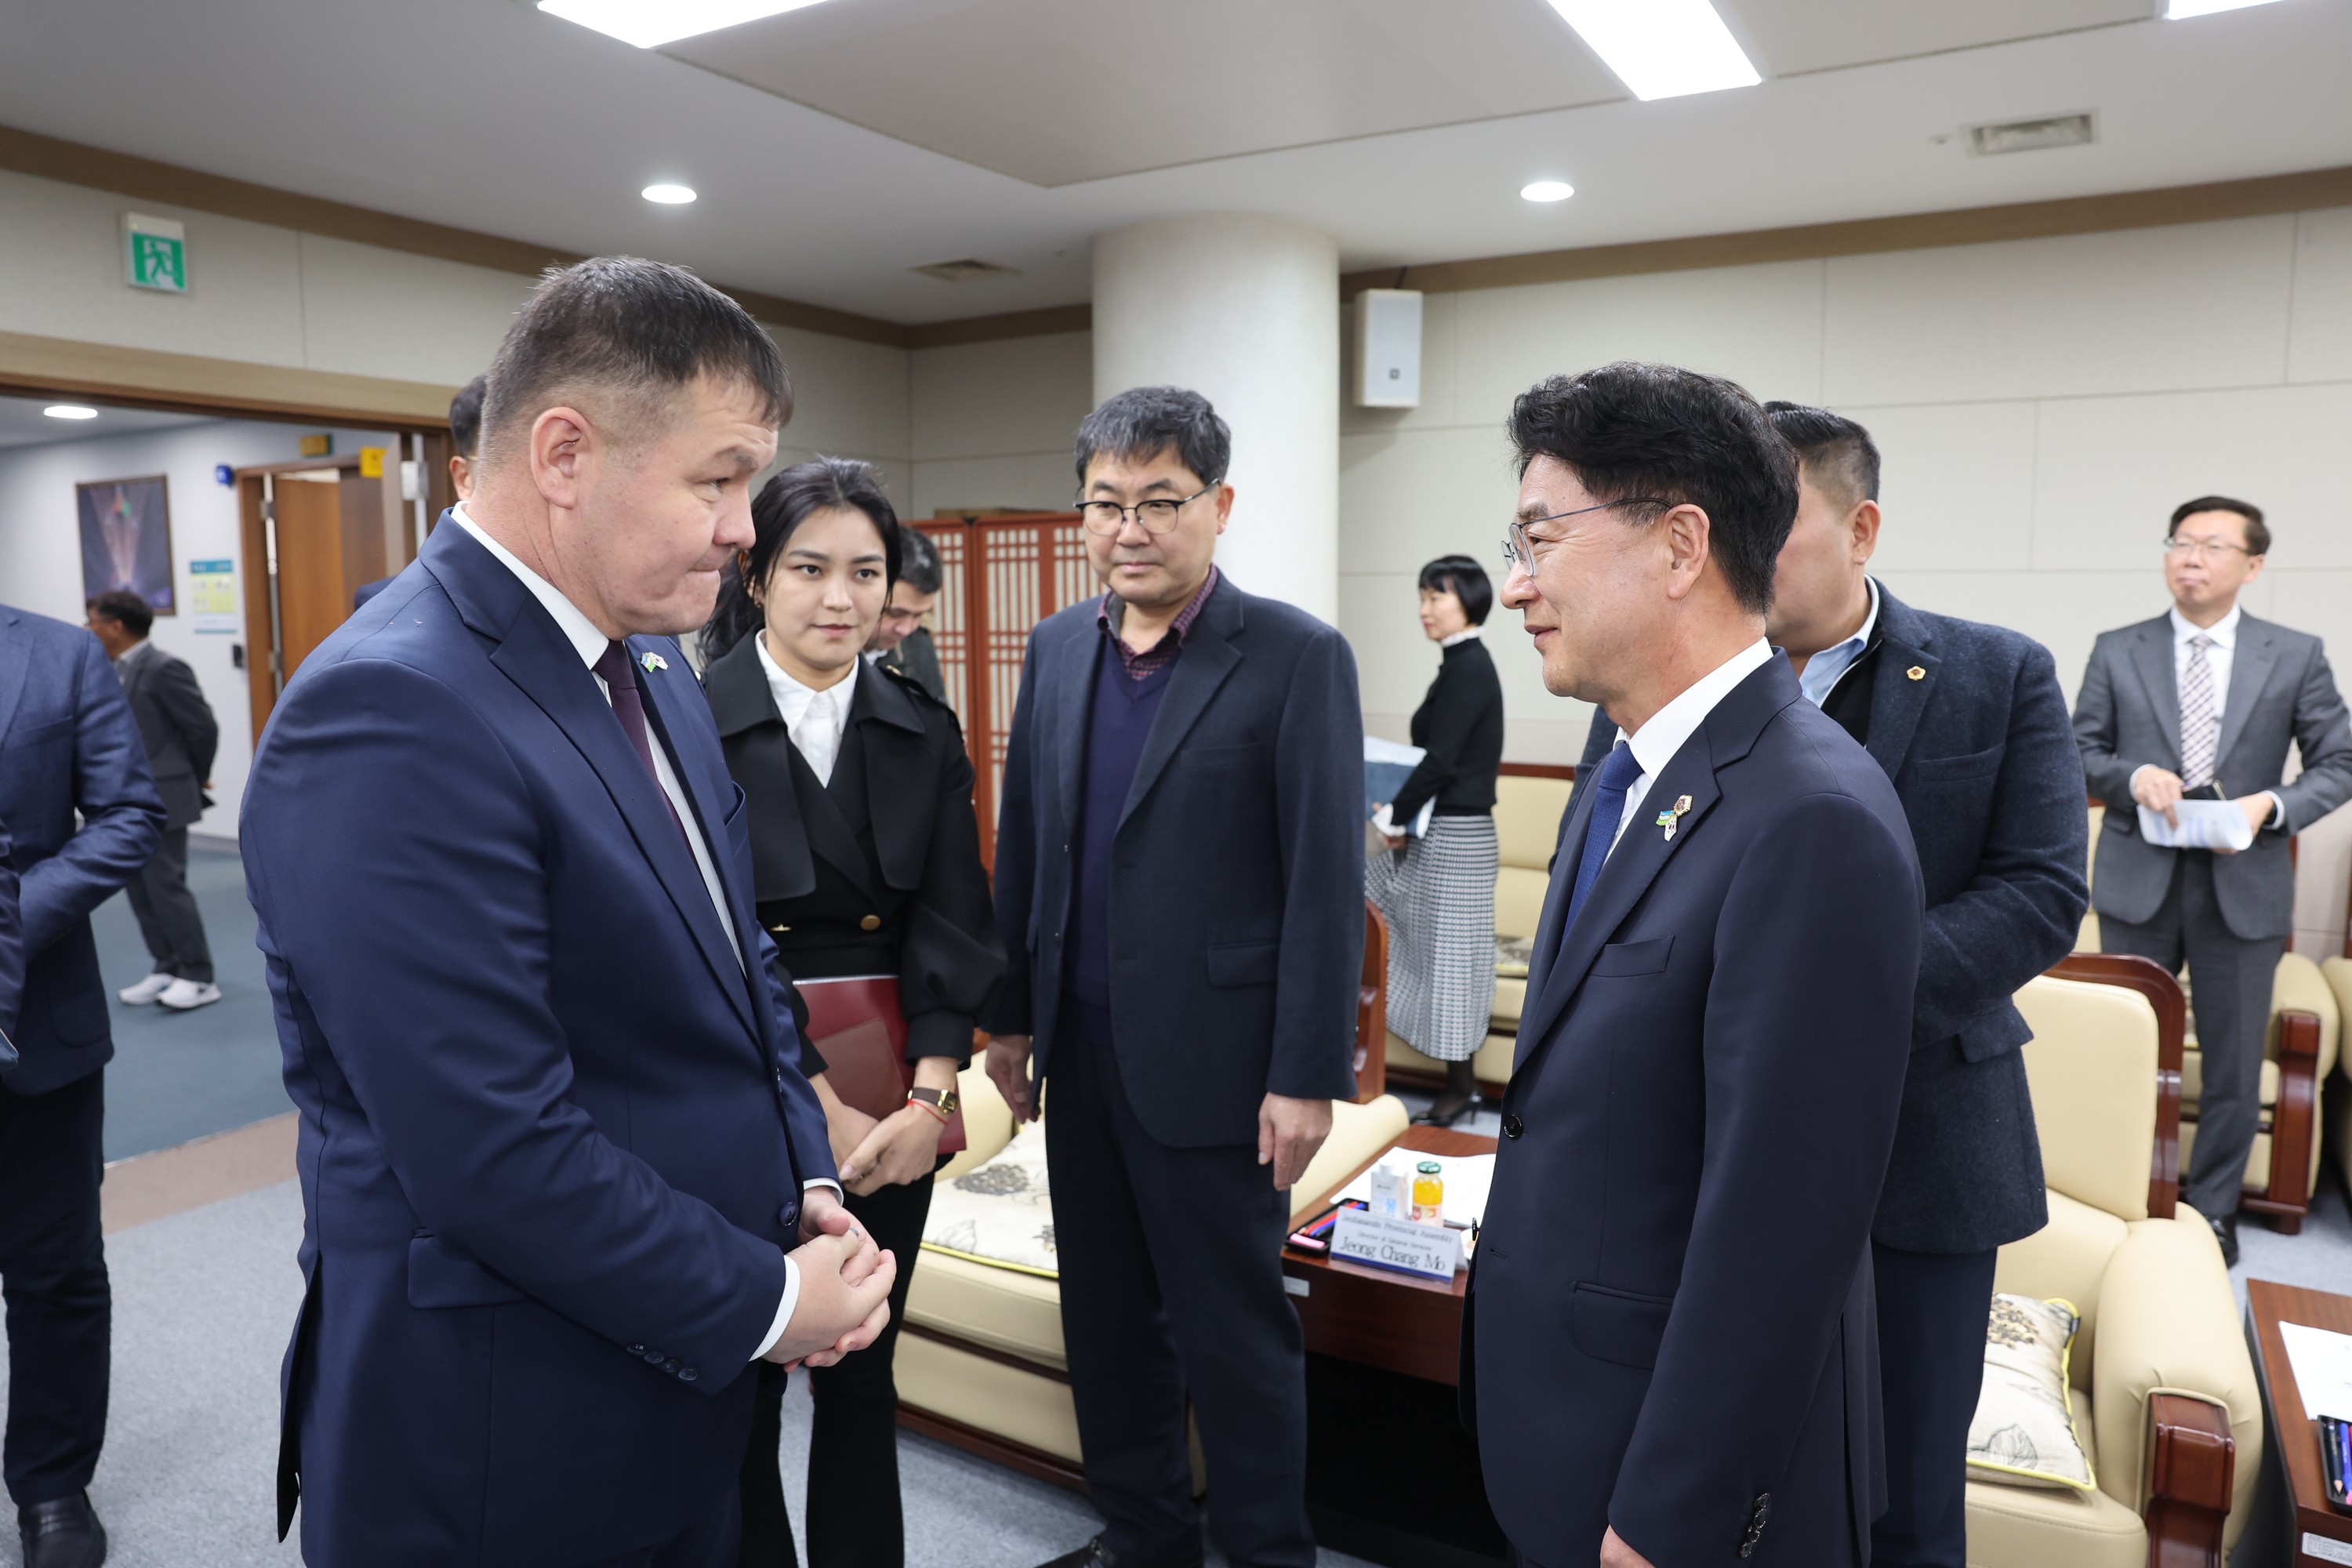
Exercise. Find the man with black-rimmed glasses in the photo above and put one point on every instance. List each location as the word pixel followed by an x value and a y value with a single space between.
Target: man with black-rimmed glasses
pixel 1179 880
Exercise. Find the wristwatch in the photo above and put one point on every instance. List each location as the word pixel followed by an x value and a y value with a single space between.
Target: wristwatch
pixel 942 1100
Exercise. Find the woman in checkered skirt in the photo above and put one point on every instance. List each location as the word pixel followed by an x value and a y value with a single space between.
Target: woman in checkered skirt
pixel 1437 890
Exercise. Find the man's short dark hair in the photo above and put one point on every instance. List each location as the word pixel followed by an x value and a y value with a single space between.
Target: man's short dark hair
pixel 919 561
pixel 1838 453
pixel 465 417
pixel 632 328
pixel 1465 580
pixel 1687 438
pixel 2258 532
pixel 1145 421
pixel 122 605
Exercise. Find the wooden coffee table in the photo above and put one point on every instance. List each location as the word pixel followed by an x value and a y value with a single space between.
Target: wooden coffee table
pixel 2323 1537
pixel 1382 1360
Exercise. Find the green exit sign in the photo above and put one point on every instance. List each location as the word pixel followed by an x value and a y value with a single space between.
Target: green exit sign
pixel 154 252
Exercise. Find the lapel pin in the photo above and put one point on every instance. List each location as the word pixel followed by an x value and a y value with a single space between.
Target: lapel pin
pixel 1671 818
pixel 1917 672
pixel 653 661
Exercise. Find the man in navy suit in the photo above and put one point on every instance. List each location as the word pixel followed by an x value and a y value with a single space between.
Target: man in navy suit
pixel 563 1180
pixel 1668 1349
pixel 69 747
pixel 12 953
pixel 1179 883
pixel 1969 723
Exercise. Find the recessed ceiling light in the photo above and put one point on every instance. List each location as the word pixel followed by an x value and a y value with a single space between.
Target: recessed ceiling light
pixel 1547 190
pixel 1661 48
pixel 669 195
pixel 70 411
pixel 2179 10
pixel 649 24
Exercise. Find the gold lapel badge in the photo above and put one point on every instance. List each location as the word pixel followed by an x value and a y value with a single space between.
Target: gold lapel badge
pixel 1917 672
pixel 1671 818
pixel 650 662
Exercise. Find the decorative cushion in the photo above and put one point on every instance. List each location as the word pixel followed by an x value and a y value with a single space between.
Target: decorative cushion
pixel 999 1212
pixel 2025 1433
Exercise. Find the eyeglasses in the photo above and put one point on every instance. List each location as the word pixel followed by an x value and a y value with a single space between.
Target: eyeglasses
pixel 1516 551
pixel 1155 516
pixel 2203 549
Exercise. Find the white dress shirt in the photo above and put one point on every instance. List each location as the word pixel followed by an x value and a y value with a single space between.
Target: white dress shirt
pixel 1655 743
pixel 590 644
pixel 2218 659
pixel 1468 634
pixel 815 719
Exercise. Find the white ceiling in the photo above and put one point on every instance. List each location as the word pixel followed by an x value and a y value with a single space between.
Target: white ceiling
pixel 22 423
pixel 486 115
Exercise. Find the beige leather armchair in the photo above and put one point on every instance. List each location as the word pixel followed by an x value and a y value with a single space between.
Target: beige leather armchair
pixel 979 1361
pixel 2300 1055
pixel 2165 1395
pixel 1530 799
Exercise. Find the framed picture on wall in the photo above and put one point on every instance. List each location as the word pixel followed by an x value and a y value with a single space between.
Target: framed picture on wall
pixel 126 540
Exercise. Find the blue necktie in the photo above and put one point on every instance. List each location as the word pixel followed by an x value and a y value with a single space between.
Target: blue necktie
pixel 1618 772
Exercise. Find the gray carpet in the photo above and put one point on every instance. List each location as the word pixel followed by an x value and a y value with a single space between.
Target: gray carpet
pixel 202 1301
pixel 178 1075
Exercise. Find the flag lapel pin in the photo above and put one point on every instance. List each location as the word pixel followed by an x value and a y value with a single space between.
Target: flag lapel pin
pixel 1671 818
pixel 652 661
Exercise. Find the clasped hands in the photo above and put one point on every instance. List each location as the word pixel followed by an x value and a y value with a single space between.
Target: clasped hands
pixel 1290 1131
pixel 845 1280
pixel 2159 790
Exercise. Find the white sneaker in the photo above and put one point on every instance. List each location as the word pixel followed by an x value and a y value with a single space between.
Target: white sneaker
pixel 147 990
pixel 182 994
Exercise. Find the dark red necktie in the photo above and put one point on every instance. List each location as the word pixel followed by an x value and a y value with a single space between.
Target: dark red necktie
pixel 620 677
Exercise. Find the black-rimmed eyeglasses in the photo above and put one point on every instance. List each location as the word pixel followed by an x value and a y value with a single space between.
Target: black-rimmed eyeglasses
pixel 1155 516
pixel 1516 551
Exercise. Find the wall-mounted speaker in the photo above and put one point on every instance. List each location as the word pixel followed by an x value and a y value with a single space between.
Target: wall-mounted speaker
pixel 1388 348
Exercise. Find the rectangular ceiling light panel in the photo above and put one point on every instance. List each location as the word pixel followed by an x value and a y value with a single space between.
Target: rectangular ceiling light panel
pixel 2176 10
pixel 649 24
pixel 1661 48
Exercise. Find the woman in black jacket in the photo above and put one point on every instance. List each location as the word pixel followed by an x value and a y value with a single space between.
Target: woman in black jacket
pixel 866 863
pixel 1437 890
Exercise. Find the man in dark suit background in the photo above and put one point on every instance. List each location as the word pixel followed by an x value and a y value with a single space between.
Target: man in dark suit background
pixel 2204 700
pixel 1969 723
pixel 901 640
pixel 176 725
pixel 562 1178
pixel 1179 882
pixel 68 745
pixel 1667 1352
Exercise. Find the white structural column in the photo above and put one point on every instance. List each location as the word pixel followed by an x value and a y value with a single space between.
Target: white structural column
pixel 1243 309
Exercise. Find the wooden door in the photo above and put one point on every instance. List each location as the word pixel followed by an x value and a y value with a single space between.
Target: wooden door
pixel 312 535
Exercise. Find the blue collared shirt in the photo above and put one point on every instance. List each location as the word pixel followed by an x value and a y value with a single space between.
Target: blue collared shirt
pixel 1819 675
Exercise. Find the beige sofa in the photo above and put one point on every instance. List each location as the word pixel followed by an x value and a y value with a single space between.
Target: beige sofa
pixel 2164 1391
pixel 2300 1057
pixel 979 1361
pixel 1530 802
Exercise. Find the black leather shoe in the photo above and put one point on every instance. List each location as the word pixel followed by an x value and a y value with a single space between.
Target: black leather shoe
pixel 2225 1231
pixel 1093 1554
pixel 1448 1109
pixel 62 1534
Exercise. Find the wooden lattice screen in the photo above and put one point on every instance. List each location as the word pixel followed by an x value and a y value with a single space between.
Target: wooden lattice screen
pixel 1000 576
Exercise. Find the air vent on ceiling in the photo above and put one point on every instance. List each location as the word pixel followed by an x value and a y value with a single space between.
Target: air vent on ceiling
pixel 970 269
pixel 2033 135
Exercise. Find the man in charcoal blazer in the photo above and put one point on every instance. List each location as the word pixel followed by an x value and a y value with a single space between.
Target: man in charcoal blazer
pixel 69 751
pixel 2205 699
pixel 1969 723
pixel 1179 884
pixel 181 735
pixel 1667 1347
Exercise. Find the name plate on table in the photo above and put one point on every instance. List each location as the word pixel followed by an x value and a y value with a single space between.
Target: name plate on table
pixel 1432 1251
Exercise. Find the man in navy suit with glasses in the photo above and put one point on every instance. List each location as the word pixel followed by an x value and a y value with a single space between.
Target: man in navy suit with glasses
pixel 1667 1352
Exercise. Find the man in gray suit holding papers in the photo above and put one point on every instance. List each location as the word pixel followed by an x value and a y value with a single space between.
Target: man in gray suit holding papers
pixel 2200 703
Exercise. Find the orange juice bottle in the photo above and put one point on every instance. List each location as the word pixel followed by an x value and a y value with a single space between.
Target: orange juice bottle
pixel 1429 1193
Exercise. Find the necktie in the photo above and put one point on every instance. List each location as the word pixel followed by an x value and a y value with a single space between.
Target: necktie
pixel 2201 726
pixel 620 679
pixel 1618 773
